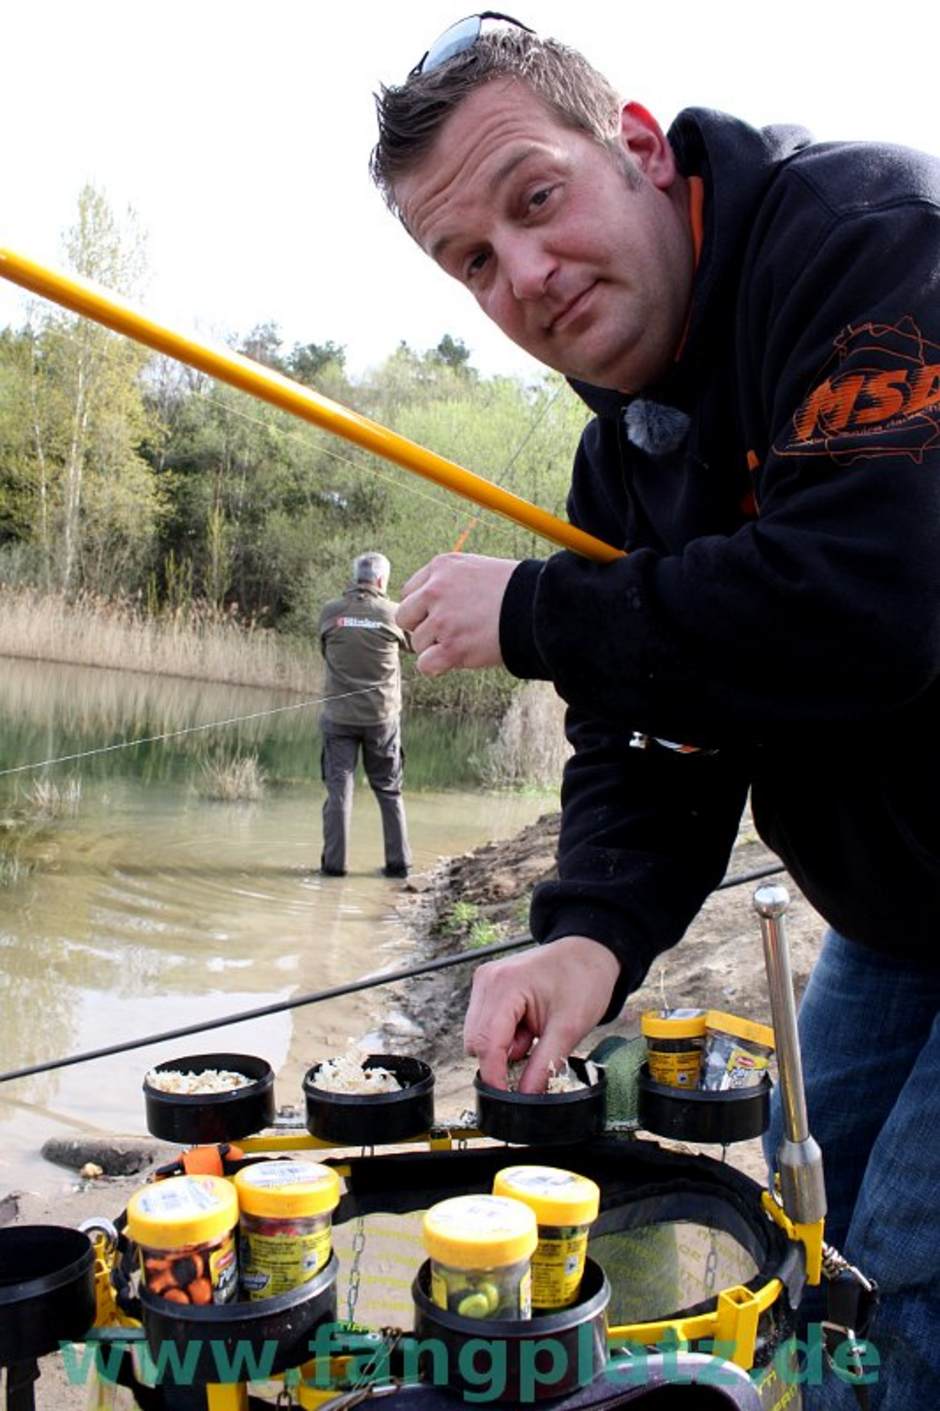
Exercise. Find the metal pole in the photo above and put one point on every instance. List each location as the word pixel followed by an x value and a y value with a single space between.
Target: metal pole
pixel 799 1159
pixel 99 304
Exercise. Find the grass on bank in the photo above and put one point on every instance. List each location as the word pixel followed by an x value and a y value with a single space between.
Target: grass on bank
pixel 462 921
pixel 203 644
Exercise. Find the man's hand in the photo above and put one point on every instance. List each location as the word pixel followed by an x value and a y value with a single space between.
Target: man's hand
pixel 451 608
pixel 555 993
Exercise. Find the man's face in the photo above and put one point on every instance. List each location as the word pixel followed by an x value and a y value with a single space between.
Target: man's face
pixel 580 253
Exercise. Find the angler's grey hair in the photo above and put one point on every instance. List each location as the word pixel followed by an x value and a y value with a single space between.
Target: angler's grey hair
pixel 371 568
pixel 411 116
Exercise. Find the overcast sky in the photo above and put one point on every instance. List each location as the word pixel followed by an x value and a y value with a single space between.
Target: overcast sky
pixel 240 133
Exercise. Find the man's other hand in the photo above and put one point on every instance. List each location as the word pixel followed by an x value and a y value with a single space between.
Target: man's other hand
pixel 555 993
pixel 451 609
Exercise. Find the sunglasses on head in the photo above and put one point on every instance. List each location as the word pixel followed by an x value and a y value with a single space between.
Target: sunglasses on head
pixel 460 37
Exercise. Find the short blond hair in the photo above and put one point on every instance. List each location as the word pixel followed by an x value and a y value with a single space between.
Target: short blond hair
pixel 411 115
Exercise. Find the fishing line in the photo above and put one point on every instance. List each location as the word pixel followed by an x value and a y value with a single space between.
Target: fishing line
pixel 505 474
pixel 188 730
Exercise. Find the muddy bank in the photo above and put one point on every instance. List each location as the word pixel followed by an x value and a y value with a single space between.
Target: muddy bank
pixel 482 896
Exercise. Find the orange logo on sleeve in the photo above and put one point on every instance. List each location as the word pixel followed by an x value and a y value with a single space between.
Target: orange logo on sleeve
pixel 880 395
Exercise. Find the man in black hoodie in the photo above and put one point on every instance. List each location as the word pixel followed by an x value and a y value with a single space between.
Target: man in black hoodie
pixel 755 321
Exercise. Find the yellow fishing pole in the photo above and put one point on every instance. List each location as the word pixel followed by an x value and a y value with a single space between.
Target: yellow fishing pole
pixel 98 304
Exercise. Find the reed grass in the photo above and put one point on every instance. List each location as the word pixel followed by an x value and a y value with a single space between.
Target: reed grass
pixel 201 644
pixel 12 870
pixel 44 798
pixel 530 748
pixel 231 779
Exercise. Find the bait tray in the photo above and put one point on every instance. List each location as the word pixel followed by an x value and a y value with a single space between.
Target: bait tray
pixel 368 1119
pixel 191 1119
pixel 47 1290
pixel 579 1331
pixel 691 1114
pixel 228 1333
pixel 534 1119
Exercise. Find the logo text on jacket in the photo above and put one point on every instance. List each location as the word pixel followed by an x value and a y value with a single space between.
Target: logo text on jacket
pixel 878 395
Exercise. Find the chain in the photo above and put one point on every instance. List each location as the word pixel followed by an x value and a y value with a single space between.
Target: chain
pixel 358 1247
pixel 834 1266
pixel 834 1263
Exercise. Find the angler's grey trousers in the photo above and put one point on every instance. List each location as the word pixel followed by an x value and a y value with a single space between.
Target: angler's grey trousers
pixel 383 760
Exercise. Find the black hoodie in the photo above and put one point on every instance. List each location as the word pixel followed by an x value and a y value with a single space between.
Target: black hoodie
pixel 779 496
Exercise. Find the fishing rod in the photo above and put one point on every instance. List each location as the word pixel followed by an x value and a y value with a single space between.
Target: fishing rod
pixel 351 987
pixel 368 982
pixel 93 302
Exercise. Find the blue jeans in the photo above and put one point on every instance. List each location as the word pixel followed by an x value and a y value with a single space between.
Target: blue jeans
pixel 870 1040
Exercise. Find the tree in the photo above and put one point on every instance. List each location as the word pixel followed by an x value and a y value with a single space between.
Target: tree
pixel 454 353
pixel 307 360
pixel 81 422
pixel 260 500
pixel 519 437
pixel 263 344
pixel 16 445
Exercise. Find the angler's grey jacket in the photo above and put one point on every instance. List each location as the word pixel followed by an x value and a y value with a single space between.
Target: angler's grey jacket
pixel 362 644
pixel 780 603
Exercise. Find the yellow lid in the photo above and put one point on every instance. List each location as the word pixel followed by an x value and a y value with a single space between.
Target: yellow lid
pixel 557 1197
pixel 479 1231
pixel 740 1028
pixel 673 1023
pixel 181 1211
pixel 287 1188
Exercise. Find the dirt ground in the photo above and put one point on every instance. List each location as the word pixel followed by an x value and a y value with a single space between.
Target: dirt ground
pixel 719 964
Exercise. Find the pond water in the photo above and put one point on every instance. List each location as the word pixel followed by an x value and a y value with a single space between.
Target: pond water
pixel 134 905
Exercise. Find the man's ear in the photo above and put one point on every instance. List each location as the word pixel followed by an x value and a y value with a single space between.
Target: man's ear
pixel 644 141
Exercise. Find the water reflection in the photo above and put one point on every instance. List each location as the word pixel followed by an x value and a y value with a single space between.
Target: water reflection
pixel 151 908
pixel 50 711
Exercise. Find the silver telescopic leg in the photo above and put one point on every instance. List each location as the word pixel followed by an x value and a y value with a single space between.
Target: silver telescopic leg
pixel 799 1159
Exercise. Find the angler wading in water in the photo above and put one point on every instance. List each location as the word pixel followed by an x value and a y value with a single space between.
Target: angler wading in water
pixel 362 646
